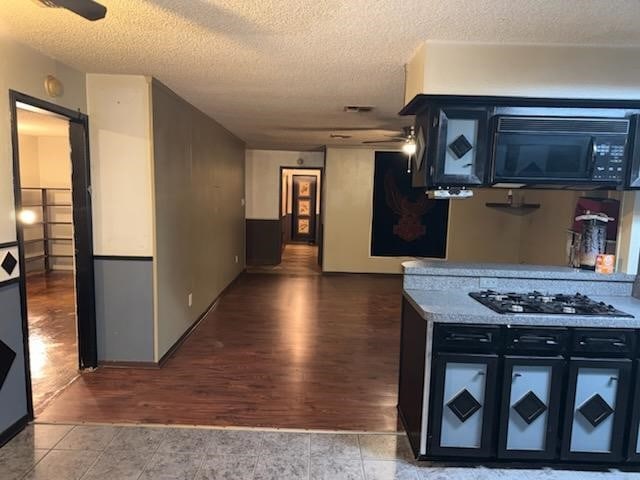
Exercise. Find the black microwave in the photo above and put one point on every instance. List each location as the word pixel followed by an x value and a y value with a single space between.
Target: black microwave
pixel 560 150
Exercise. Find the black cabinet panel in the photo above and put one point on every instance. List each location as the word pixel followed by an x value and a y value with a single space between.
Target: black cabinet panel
pixel 530 408
pixel 596 410
pixel 412 373
pixel 460 153
pixel 634 435
pixel 462 407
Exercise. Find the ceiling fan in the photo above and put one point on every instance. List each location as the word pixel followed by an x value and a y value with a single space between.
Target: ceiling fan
pixel 407 135
pixel 85 8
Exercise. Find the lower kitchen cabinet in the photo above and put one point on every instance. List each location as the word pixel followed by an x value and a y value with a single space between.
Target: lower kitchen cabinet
pixel 463 408
pixel 530 410
pixel 596 410
pixel 634 437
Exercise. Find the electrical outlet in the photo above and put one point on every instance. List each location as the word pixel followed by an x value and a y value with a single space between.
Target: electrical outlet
pixel 190 299
pixel 237 259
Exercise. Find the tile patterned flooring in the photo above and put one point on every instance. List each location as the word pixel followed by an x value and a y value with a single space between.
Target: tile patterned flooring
pixel 91 452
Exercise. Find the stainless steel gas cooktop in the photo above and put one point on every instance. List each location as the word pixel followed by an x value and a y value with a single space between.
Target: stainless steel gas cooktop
pixel 545 304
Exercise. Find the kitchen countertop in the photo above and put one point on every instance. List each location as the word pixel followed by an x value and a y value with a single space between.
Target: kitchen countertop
pixel 545 272
pixel 456 306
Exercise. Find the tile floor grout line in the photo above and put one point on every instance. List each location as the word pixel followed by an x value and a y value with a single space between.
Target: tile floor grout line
pixel 24 475
pixel 255 464
pixel 309 459
pixel 144 467
pixel 364 475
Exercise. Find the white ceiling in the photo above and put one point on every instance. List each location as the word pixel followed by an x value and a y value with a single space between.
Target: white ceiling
pixel 278 72
pixel 38 124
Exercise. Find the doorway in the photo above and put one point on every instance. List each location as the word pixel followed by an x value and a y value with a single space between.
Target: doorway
pixel 53 222
pixel 300 213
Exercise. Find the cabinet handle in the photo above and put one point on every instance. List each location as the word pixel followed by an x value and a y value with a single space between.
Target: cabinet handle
pixel 481 373
pixel 516 375
pixel 613 379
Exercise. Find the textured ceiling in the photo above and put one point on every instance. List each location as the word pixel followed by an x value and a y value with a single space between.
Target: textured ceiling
pixel 278 72
pixel 38 124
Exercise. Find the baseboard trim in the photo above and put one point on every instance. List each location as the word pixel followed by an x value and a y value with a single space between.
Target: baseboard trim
pixel 123 258
pixel 9 244
pixel 128 364
pixel 11 281
pixel 13 430
pixel 178 343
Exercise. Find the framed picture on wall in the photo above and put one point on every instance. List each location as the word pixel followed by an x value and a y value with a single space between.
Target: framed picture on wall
pixel 405 221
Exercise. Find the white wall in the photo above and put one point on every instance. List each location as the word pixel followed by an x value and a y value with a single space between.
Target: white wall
pixel 121 164
pixel 262 179
pixel 24 70
pixel 526 70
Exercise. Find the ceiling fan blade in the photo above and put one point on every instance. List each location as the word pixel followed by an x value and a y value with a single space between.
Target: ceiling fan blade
pixel 396 140
pixel 85 8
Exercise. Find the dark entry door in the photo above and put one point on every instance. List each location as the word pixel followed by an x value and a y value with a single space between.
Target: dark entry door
pixel 304 208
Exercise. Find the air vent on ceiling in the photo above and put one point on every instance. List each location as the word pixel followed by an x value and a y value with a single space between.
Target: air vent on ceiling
pixel 358 108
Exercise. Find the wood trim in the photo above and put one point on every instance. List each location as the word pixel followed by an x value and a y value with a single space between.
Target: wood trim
pixel 125 364
pixel 11 281
pixel 132 258
pixel 13 430
pixel 420 101
pixel 9 244
pixel 193 326
pixel 263 241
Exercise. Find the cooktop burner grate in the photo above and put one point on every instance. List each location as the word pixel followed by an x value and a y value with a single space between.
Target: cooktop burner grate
pixel 545 304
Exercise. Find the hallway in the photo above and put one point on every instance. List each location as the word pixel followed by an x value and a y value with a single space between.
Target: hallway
pixel 277 351
pixel 297 259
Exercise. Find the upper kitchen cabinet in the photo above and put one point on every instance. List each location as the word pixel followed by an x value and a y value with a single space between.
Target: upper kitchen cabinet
pixel 460 147
pixel 466 141
pixel 451 147
pixel 633 172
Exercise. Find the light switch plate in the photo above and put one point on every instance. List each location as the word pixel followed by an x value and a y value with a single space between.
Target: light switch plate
pixel 190 299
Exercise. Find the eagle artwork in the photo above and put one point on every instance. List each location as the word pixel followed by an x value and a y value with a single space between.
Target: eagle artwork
pixel 409 226
pixel 405 222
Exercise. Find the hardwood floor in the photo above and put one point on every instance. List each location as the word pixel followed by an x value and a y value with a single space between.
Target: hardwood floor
pixel 312 351
pixel 297 259
pixel 52 334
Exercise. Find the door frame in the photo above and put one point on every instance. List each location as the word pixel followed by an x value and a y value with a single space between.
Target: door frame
pixel 82 230
pixel 319 191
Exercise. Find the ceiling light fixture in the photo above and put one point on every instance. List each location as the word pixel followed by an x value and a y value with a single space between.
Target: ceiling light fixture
pixel 409 147
pixel 339 135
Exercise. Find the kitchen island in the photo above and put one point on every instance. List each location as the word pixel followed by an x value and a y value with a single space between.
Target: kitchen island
pixel 532 387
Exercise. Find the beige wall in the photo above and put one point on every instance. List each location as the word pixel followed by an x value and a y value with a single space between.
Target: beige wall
pixel 45 162
pixel 24 70
pixel 121 164
pixel 29 161
pixel 262 182
pixel 525 70
pixel 476 233
pixel 199 187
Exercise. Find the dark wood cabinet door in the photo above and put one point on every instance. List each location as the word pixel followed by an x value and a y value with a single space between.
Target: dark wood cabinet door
pixel 634 436
pixel 413 333
pixel 530 410
pixel 304 208
pixel 596 410
pixel 462 415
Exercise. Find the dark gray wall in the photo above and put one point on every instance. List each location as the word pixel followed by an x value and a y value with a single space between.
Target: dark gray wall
pixel 124 309
pixel 264 242
pixel 13 395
